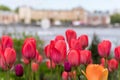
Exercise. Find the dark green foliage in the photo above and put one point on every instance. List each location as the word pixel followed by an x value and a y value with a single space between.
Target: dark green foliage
pixel 94 50
pixel 115 18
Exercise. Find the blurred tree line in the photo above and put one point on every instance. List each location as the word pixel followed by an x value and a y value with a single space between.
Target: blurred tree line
pixel 115 18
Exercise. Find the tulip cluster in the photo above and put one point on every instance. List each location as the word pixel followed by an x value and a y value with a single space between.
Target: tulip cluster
pixel 68 55
pixel 70 51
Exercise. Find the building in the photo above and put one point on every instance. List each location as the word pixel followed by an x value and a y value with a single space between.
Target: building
pixel 28 14
pixel 98 18
pixel 7 17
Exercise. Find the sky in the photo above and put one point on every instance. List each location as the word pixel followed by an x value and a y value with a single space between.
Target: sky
pixel 91 5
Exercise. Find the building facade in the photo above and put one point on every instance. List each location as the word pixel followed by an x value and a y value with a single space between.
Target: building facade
pixel 27 14
pixel 7 17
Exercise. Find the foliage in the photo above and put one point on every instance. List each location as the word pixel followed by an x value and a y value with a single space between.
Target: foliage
pixel 4 8
pixel 93 49
pixel 115 18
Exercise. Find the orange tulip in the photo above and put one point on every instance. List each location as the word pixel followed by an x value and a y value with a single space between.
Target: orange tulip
pixel 96 72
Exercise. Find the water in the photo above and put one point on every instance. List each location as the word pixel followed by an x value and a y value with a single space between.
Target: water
pixel 112 34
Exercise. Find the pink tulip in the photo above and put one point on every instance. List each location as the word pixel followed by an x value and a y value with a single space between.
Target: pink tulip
pixel 60 45
pixel 83 40
pixel 48 63
pixel 102 62
pixel 32 40
pixel 117 53
pixel 6 42
pixel 65 75
pixel 58 51
pixel 85 57
pixel 10 56
pixel 2 60
pixel 38 57
pixel 35 67
pixel 26 61
pixel 74 44
pixel 47 51
pixel 104 48
pixel 112 65
pixel 74 58
pixel 70 34
pixel 29 50
pixel 59 37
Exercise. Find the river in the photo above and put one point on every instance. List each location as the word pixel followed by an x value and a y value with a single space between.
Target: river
pixel 112 34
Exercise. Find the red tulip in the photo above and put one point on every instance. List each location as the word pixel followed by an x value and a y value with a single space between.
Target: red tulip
pixel 85 57
pixel 58 51
pixel 83 40
pixel 65 75
pixel 48 63
pixel 102 62
pixel 6 42
pixel 38 57
pixel 60 45
pixel 47 51
pixel 70 34
pixel 112 65
pixel 59 37
pixel 30 39
pixel 26 61
pixel 117 53
pixel 104 48
pixel 35 67
pixel 74 58
pixel 10 56
pixel 74 44
pixel 2 60
pixel 29 50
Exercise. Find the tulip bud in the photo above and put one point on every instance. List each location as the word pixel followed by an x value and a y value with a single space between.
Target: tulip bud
pixel 47 51
pixel 83 40
pixel 117 53
pixel 38 57
pixel 74 58
pixel 67 66
pixel 102 62
pixel 19 70
pixel 6 42
pixel 34 66
pixel 29 50
pixel 85 57
pixel 48 63
pixel 26 61
pixel 104 48
pixel 64 76
pixel 112 65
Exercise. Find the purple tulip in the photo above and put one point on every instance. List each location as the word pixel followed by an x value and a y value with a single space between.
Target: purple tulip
pixel 67 66
pixel 19 70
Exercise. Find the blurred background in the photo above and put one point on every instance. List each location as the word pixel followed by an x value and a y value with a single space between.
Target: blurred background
pixel 48 18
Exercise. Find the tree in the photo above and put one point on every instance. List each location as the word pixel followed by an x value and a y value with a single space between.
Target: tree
pixel 4 8
pixel 115 18
pixel 94 50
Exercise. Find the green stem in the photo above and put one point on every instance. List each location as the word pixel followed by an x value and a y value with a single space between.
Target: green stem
pixel 58 73
pixel 51 66
pixel 8 75
pixel 119 72
pixel 105 62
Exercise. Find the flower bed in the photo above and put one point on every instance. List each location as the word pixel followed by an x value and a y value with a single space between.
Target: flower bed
pixel 67 58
